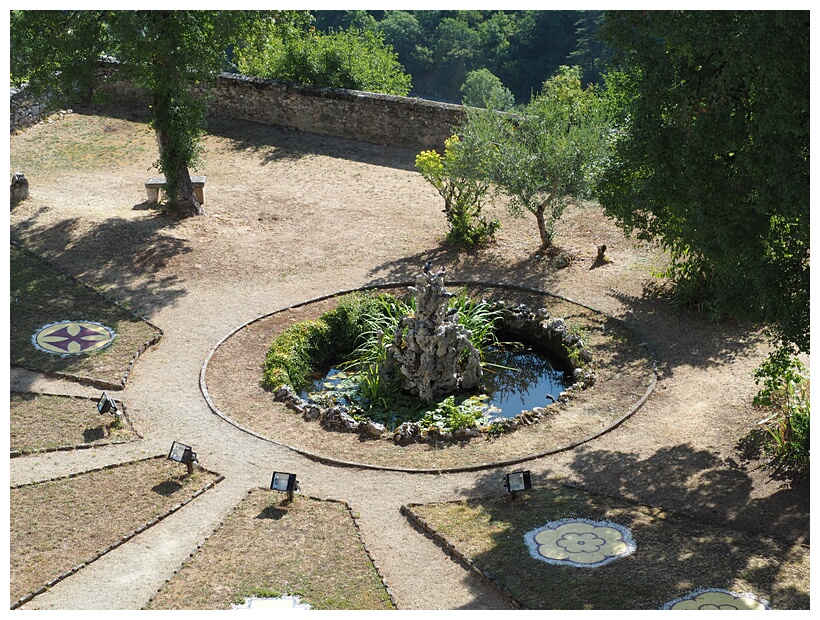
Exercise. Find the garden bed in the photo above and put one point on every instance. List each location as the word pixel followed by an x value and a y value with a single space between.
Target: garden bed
pixel 673 555
pixel 41 295
pixel 88 515
pixel 271 548
pixel 44 422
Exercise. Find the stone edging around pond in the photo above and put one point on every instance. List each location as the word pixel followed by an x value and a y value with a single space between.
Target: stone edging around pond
pixel 325 459
pixel 535 327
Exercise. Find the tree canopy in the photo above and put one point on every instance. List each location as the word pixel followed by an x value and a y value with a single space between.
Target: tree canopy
pixel 713 156
pixel 351 58
pixel 439 48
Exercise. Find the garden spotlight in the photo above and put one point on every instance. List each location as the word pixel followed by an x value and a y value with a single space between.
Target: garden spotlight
pixel 282 481
pixel 106 404
pixel 517 481
pixel 183 454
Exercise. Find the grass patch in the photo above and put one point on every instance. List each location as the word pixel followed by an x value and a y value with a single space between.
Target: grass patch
pixel 57 525
pixel 674 555
pixel 84 142
pixel 40 295
pixel 268 547
pixel 45 422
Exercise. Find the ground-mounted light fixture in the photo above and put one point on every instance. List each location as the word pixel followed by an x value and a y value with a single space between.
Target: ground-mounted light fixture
pixel 183 454
pixel 106 404
pixel 284 482
pixel 517 481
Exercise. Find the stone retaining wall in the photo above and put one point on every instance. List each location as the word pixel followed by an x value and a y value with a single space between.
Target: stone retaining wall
pixel 381 119
pixel 371 117
pixel 26 110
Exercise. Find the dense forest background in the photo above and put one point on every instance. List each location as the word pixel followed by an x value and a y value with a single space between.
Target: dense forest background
pixel 439 48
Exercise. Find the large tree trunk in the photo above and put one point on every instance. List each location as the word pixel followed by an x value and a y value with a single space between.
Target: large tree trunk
pixel 178 185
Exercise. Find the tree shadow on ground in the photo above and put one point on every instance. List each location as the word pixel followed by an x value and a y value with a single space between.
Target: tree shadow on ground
pixel 480 265
pixel 122 255
pixel 677 550
pixel 273 143
pixel 698 483
pixel 684 337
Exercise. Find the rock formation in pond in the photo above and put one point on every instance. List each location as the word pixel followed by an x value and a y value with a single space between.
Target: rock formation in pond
pixel 430 349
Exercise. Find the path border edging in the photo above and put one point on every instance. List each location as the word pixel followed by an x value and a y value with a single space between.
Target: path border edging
pixel 453 551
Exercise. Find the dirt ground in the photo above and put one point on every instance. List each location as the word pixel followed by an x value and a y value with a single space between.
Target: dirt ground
pixel 292 216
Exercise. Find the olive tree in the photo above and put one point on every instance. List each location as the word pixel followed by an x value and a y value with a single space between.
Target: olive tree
pixel 546 155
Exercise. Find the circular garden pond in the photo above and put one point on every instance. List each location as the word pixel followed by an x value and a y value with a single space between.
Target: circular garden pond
pixel 557 374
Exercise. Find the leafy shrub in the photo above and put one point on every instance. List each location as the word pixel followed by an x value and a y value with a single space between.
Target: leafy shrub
pixel 351 58
pixel 295 352
pixel 456 176
pixel 301 348
pixel 785 393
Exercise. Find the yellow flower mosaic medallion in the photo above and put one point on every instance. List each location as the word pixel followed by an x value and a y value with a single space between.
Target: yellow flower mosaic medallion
pixel 715 598
pixel 72 337
pixel 580 542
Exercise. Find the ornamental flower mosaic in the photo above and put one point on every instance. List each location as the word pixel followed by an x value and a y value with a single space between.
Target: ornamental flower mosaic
pixel 580 542
pixel 715 598
pixel 72 337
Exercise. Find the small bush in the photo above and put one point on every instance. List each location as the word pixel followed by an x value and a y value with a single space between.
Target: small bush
pixel 456 176
pixel 301 348
pixel 785 394
pixel 295 352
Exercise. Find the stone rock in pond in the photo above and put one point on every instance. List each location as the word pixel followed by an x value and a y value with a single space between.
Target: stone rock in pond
pixel 372 429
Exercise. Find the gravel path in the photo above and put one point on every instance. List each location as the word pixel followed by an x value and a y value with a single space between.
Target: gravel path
pixel 197 280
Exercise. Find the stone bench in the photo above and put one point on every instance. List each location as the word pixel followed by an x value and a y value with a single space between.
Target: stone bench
pixel 154 184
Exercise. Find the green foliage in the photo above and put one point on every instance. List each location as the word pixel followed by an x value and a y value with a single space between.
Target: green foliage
pixel 450 415
pixel 548 154
pixel 370 321
pixel 56 51
pixel 711 158
pixel 478 318
pixel 786 395
pixel 456 176
pixel 440 48
pixel 353 58
pixel 295 354
pixel 482 89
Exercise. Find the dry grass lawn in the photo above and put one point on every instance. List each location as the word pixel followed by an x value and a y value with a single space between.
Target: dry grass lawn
pixel 40 422
pixel 88 513
pixel 269 547
pixel 675 555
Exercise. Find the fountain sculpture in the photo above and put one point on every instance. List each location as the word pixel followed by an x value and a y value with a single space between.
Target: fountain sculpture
pixel 430 349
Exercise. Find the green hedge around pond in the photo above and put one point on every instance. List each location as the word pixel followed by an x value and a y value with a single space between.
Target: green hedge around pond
pixel 296 353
